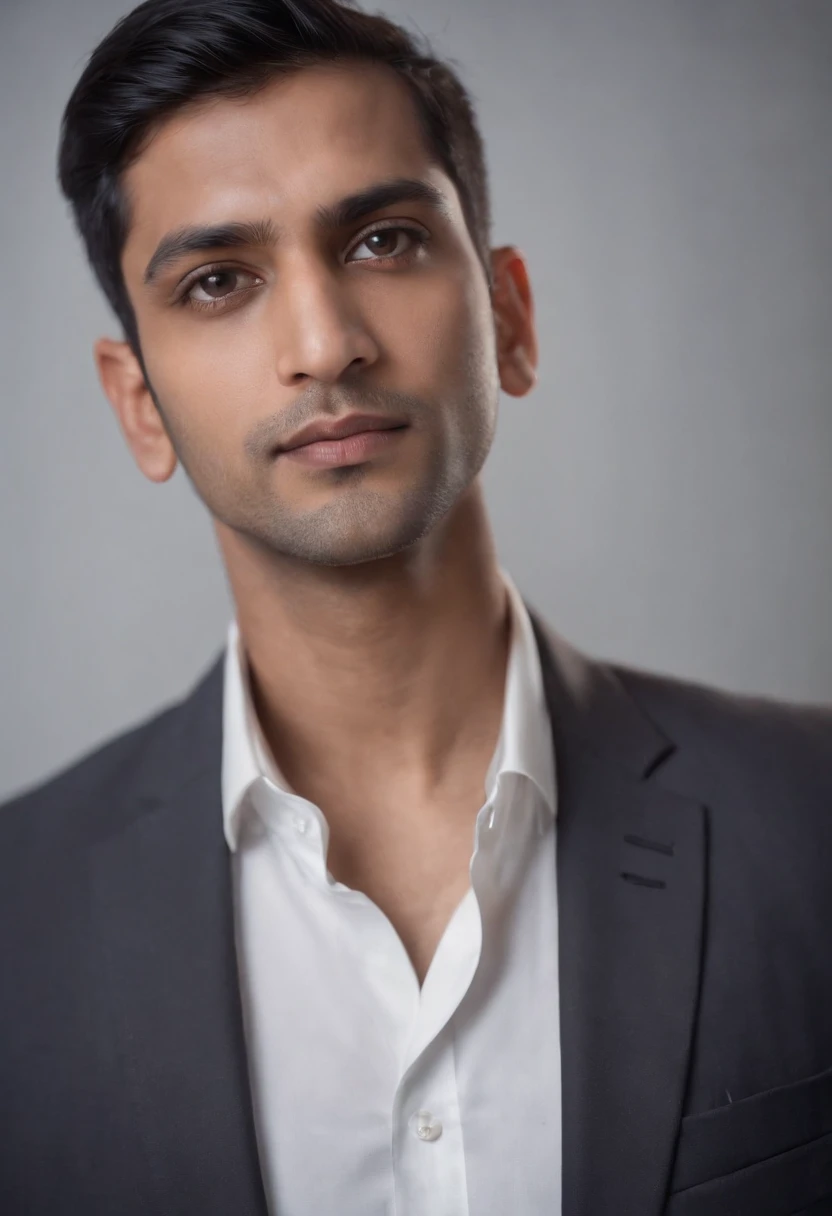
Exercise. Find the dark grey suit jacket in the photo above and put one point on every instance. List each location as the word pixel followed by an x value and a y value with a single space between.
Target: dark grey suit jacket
pixel 695 933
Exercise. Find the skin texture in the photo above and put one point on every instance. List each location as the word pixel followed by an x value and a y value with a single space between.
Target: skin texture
pixel 369 603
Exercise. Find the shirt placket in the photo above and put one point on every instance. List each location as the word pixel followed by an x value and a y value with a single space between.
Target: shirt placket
pixel 428 1149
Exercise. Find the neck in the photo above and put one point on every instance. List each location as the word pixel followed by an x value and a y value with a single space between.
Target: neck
pixel 382 674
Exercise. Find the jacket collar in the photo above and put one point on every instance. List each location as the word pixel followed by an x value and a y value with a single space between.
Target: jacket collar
pixel 631 901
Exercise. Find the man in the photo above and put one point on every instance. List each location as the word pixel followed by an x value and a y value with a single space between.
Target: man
pixel 408 907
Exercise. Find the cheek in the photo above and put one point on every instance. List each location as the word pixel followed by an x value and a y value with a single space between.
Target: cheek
pixel 213 384
pixel 444 334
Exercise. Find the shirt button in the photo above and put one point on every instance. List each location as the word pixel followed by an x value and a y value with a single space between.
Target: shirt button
pixel 425 1126
pixel 301 824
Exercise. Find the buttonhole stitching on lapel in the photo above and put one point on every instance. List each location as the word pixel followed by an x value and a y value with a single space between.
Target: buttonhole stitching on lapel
pixel 642 842
pixel 642 881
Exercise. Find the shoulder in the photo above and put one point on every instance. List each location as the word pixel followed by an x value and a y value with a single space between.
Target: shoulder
pixel 50 834
pixel 90 798
pixel 80 801
pixel 724 739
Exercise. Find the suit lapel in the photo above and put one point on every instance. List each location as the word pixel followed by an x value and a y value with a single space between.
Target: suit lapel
pixel 630 907
pixel 163 903
pixel 629 954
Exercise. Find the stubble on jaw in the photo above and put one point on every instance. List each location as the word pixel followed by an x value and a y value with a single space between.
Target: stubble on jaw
pixel 359 523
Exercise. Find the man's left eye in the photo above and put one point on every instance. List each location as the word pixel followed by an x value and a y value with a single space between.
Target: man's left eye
pixel 386 243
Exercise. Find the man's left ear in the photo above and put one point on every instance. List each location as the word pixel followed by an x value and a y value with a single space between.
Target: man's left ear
pixel 511 299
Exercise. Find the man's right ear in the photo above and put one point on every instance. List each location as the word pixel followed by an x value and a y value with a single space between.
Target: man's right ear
pixel 123 382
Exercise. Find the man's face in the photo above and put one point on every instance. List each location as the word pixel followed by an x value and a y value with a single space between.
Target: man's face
pixel 327 315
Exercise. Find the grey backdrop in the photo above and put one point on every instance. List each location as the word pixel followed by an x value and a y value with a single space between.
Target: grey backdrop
pixel 664 497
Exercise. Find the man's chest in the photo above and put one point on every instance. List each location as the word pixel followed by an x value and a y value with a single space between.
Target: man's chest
pixel 334 1015
pixel 414 867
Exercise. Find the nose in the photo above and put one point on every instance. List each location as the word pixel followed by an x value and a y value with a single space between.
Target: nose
pixel 320 333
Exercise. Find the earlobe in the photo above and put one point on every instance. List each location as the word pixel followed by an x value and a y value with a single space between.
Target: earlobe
pixel 124 384
pixel 517 375
pixel 514 322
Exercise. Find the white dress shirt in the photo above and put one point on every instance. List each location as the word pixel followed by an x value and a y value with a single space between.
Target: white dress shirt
pixel 373 1097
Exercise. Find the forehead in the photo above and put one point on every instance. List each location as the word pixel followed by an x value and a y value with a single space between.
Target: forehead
pixel 310 137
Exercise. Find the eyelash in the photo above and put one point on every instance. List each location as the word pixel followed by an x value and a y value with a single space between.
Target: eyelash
pixel 419 237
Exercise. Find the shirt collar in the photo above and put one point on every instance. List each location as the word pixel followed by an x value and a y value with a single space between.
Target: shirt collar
pixel 524 745
pixel 246 757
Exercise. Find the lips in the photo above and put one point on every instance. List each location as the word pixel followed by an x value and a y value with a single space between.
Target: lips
pixel 355 449
pixel 353 424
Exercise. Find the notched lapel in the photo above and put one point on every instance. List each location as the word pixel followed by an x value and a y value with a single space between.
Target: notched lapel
pixel 162 890
pixel 631 897
pixel 631 873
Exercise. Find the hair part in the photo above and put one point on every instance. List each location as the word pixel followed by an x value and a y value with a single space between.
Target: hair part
pixel 167 53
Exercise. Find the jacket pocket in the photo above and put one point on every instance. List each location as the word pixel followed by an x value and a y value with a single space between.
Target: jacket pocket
pixel 794 1183
pixel 734 1137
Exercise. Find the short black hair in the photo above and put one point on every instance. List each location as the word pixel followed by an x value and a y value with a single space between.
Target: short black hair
pixel 166 53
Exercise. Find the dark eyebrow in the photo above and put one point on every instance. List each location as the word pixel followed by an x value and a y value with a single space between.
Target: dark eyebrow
pixel 236 234
pixel 182 241
pixel 384 194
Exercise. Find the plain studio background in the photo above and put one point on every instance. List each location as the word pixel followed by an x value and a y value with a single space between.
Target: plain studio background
pixel 664 496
